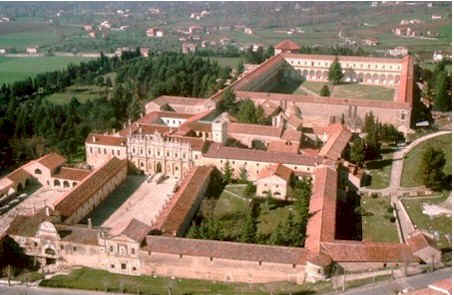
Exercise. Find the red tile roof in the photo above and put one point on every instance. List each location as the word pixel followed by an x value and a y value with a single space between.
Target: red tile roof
pixel 105 140
pixel 217 151
pixel 179 100
pixel 356 251
pixel 71 173
pixel 18 175
pixel 419 241
pixel 292 135
pixel 51 161
pixel 277 169
pixel 79 234
pixel 136 230
pixel 321 226
pixel 287 45
pixel 71 201
pixel 186 195
pixel 26 226
pixel 226 250
pixel 336 143
pixel 445 285
pixel 287 147
pixel 254 129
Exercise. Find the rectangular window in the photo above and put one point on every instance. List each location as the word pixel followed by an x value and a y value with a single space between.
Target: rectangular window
pixel 123 266
pixel 133 251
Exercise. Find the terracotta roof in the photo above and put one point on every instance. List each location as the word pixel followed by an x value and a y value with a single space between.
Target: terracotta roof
pixel 186 195
pixel 419 241
pixel 26 226
pixel 320 100
pixel 336 143
pixel 68 204
pixel 18 175
pixel 178 100
pixel 287 147
pixel 292 135
pixel 52 160
pixel 254 129
pixel 445 285
pixel 356 251
pixel 105 140
pixel 71 173
pixel 278 170
pixel 79 234
pixel 287 45
pixel 136 230
pixel 226 250
pixel 217 151
pixel 321 225
pixel 196 143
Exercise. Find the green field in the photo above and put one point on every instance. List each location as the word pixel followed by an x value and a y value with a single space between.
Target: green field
pixel 441 223
pixel 411 175
pixel 315 86
pixel 377 227
pixel 380 171
pixel 15 68
pixel 81 92
pixel 231 62
pixel 360 91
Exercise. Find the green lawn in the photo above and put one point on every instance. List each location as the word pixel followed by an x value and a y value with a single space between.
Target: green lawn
pixel 237 189
pixel 115 199
pixel 15 68
pixel 441 223
pixel 81 92
pixel 315 86
pixel 377 227
pixel 360 91
pixel 380 171
pixel 411 175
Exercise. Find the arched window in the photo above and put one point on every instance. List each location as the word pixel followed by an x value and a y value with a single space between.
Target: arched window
pixel 38 171
pixel 56 182
pixel 65 183
pixel 49 251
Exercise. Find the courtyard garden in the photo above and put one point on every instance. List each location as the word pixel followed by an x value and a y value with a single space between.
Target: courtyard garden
pixel 380 170
pixel 411 175
pixel 378 222
pixel 232 212
pixel 438 225
pixel 360 91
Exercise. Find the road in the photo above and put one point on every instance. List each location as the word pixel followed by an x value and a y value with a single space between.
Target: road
pixel 388 287
pixel 46 291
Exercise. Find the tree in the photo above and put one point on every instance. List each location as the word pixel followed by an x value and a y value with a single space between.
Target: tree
pixel 433 161
pixel 335 72
pixel 250 189
pixel 243 175
pixel 228 173
pixel 325 91
pixel 228 103
pixel 357 151
pixel 240 68
pixel 249 229
pixel 442 99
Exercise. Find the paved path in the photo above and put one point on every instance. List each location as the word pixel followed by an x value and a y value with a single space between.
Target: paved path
pixel 388 287
pixel 398 165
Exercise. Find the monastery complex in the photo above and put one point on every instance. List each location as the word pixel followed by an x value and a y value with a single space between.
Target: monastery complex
pixel 186 140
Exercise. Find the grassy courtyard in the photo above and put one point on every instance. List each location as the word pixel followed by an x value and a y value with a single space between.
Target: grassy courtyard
pixel 315 86
pixel 380 171
pixel 359 91
pixel 15 68
pixel 440 223
pixel 411 175
pixel 377 227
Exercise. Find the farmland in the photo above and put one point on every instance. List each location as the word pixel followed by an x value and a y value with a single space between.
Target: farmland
pixel 14 69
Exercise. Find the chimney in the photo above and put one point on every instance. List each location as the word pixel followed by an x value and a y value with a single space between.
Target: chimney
pixel 89 223
pixel 47 211
pixel 94 138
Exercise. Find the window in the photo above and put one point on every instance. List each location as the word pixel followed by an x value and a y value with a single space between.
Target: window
pixel 91 150
pixel 111 249
pixel 277 185
pixel 260 263
pixel 133 251
pixel 105 151
pixel 118 152
pixel 74 248
pixel 266 184
pixel 211 259
pixel 294 265
pixel 37 171
pixel 112 266
pixel 113 153
pixel 181 256
pixel 123 266
pixel 134 268
pixel 35 244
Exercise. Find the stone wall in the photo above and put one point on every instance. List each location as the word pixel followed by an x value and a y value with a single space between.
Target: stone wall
pixel 228 270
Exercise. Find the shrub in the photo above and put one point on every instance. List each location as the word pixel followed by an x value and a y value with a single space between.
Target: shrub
pixel 374 195
pixel 390 209
pixel 392 219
